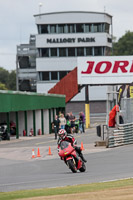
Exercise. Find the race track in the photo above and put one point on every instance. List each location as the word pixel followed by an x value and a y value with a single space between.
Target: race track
pixel 49 171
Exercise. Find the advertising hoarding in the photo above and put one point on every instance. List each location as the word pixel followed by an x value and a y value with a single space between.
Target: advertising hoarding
pixel 105 70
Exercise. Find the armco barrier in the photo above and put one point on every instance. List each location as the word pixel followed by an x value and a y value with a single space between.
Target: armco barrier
pixel 121 136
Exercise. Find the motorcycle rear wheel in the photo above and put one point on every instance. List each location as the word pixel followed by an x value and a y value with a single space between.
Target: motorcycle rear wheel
pixel 72 166
pixel 83 168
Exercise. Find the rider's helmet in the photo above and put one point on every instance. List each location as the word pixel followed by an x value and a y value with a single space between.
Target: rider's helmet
pixel 62 133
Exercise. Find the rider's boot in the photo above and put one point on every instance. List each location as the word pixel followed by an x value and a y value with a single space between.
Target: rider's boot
pixel 78 149
pixel 82 157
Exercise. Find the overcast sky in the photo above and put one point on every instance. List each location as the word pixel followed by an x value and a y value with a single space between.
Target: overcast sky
pixel 17 21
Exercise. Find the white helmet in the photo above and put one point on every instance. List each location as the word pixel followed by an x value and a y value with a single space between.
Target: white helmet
pixel 62 133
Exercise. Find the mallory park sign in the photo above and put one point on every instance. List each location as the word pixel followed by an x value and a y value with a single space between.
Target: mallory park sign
pixel 70 40
pixel 105 70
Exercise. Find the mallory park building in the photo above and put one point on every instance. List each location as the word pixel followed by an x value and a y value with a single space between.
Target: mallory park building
pixel 52 53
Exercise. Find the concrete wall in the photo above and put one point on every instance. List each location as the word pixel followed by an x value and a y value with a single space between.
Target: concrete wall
pixel 72 17
pixel 95 107
pixel 29 121
pixel 46 121
pixel 38 121
pixel 100 38
pixel 21 123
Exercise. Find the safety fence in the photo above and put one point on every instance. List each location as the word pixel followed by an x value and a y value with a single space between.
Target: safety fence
pixel 127 110
pixel 121 136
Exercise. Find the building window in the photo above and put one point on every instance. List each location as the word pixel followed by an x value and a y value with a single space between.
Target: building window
pixel 44 52
pixel 45 76
pixel 107 26
pixel 88 51
pixel 71 51
pixel 62 52
pixel 40 76
pixel 54 76
pixel 62 28
pixel 97 27
pixel 88 28
pixel 54 52
pixel 102 27
pixel 107 51
pixel 98 51
pixel 52 28
pixel 80 51
pixel 43 29
pixel 109 40
pixel 62 74
pixel 79 28
pixel 71 28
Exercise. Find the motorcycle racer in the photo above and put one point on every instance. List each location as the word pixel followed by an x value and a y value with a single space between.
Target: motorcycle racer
pixel 63 136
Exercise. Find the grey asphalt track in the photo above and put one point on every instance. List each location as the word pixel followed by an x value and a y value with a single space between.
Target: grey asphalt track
pixel 19 171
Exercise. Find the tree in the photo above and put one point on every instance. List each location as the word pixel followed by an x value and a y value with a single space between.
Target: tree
pixel 12 80
pixel 124 46
pixel 4 75
pixel 8 79
pixel 3 87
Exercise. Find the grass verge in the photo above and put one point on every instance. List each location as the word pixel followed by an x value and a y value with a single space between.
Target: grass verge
pixel 93 187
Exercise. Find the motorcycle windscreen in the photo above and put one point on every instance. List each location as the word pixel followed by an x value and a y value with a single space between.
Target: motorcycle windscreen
pixel 64 145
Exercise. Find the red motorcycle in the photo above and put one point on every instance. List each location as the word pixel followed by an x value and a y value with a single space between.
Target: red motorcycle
pixel 71 157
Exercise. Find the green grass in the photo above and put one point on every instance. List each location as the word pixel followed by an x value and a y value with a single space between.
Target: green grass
pixel 65 190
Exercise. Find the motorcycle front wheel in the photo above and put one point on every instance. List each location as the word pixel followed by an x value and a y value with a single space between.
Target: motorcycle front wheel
pixel 72 166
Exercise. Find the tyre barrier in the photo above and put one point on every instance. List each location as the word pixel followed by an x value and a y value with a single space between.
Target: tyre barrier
pixel 121 136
